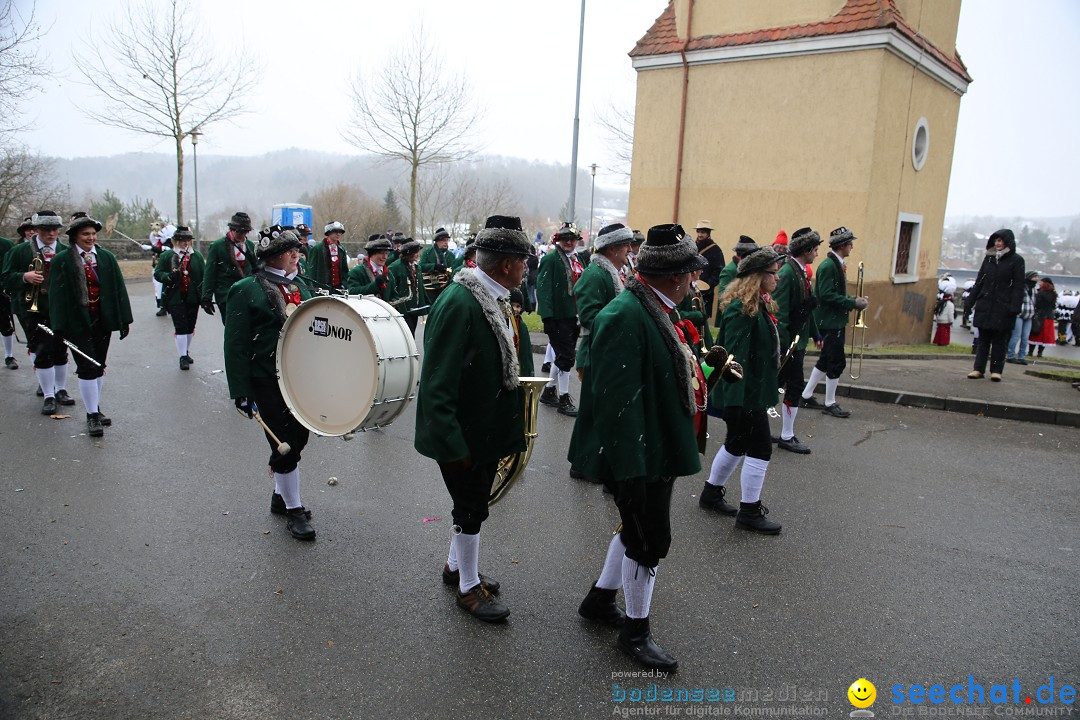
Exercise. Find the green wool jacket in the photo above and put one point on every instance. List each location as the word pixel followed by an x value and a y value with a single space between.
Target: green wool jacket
pixel 399 284
pixel 635 425
pixel 5 246
pixel 462 408
pixel 830 288
pixel 554 296
pixel 66 314
pixel 171 291
pixel 594 290
pixel 726 276
pixel 525 353
pixel 754 342
pixel 432 256
pixel 318 264
pixel 252 328
pixel 16 263
pixel 221 271
pixel 361 282
pixel 794 314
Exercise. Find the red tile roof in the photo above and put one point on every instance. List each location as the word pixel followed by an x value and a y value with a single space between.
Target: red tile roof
pixel 855 16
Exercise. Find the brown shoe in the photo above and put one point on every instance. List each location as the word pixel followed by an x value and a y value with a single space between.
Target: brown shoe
pixel 482 605
pixel 975 375
pixel 995 377
pixel 451 577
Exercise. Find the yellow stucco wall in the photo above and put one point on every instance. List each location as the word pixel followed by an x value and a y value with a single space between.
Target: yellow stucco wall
pixel 819 140
pixel 722 17
pixel 936 20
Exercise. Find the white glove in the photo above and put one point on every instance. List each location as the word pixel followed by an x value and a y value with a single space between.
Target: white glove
pixel 146 247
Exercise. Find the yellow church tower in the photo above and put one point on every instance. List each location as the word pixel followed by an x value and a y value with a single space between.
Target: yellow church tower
pixel 764 115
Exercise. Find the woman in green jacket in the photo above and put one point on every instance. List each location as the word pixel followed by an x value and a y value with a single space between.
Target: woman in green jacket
pixel 748 331
pixel 180 272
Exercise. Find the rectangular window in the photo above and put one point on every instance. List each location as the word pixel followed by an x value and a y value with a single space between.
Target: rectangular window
pixel 906 248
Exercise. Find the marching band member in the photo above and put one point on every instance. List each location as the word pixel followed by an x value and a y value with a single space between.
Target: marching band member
pixel 599 284
pixel 407 288
pixel 558 274
pixel 327 261
pixel 833 307
pixel 436 259
pixel 744 247
pixel 795 316
pixel 521 330
pixel 7 327
pixel 714 256
pixel 643 435
pixel 469 408
pixel 89 301
pixel 158 244
pixel 748 331
pixel 306 243
pixel 180 271
pixel 48 352
pixel 228 259
pixel 258 307
pixel 370 276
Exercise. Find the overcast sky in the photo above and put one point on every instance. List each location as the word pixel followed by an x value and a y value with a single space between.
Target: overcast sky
pixel 1017 149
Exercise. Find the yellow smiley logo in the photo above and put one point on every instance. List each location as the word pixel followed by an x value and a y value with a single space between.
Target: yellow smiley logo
pixel 862 693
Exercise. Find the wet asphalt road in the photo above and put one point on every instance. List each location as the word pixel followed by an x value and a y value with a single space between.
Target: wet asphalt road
pixel 143 576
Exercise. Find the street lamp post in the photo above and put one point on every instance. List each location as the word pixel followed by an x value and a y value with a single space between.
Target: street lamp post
pixel 195 156
pixel 592 202
pixel 570 204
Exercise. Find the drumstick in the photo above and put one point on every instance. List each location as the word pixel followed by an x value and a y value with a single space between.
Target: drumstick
pixel 283 448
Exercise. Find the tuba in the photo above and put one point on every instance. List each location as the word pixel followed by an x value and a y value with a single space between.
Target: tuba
pixel 511 467
pixel 33 292
pixel 436 282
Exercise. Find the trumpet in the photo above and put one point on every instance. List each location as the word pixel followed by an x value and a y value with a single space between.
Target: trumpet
pixel 858 341
pixel 33 292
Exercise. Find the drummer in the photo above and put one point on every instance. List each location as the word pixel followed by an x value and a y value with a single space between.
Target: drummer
pixel 257 308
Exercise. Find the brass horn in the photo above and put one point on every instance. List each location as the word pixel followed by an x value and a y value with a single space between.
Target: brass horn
pixel 511 467
pixel 33 292
pixel 857 325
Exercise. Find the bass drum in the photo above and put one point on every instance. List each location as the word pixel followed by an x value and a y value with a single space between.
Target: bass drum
pixel 346 364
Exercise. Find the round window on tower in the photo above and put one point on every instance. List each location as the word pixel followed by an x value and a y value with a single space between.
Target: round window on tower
pixel 920 145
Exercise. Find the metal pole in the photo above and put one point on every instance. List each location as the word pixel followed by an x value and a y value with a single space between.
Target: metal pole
pixel 592 203
pixel 577 104
pixel 195 153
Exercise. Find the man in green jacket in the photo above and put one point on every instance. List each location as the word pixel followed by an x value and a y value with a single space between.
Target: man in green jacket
pixel 833 307
pixel 327 262
pixel 744 247
pixel 642 436
pixel 258 307
pixel 88 302
pixel 407 289
pixel 469 408
pixel 371 275
pixel 795 317
pixel 555 281
pixel 180 271
pixel 47 352
pixel 435 263
pixel 7 327
pixel 228 259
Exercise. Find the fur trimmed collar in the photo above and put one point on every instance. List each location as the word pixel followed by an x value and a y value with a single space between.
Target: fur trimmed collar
pixel 679 355
pixel 270 283
pixel 498 320
pixel 603 262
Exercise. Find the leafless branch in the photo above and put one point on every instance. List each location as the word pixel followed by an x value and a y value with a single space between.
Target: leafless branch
pixel 618 125
pixel 21 64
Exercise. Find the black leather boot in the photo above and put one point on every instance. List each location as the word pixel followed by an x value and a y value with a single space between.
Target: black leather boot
pixel 93 425
pixel 297 521
pixel 712 498
pixel 636 641
pixel 599 605
pixel 566 406
pixel 752 517
pixel 550 396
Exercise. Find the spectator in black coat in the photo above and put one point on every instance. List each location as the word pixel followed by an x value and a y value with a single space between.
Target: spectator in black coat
pixel 998 294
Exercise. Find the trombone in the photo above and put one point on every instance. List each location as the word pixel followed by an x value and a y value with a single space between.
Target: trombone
pixel 858 341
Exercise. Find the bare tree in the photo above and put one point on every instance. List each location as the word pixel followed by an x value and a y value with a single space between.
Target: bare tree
pixel 618 125
pixel 157 76
pixel 457 197
pixel 20 64
pixel 413 109
pixel 26 185
pixel 361 214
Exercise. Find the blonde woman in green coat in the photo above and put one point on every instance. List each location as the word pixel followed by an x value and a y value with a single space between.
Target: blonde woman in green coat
pixel 748 331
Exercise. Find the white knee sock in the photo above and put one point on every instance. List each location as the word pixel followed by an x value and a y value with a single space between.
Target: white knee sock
pixel 637 582
pixel 722 466
pixel 549 354
pixel 9 345
pixel 564 382
pixel 288 487
pixel 816 376
pixel 157 289
pixel 90 394
pixel 830 390
pixel 467 548
pixel 181 344
pixel 753 477
pixel 46 378
pixel 788 418
pixel 189 336
pixel 60 381
pixel 611 575
pixel 451 557
pixel 553 373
